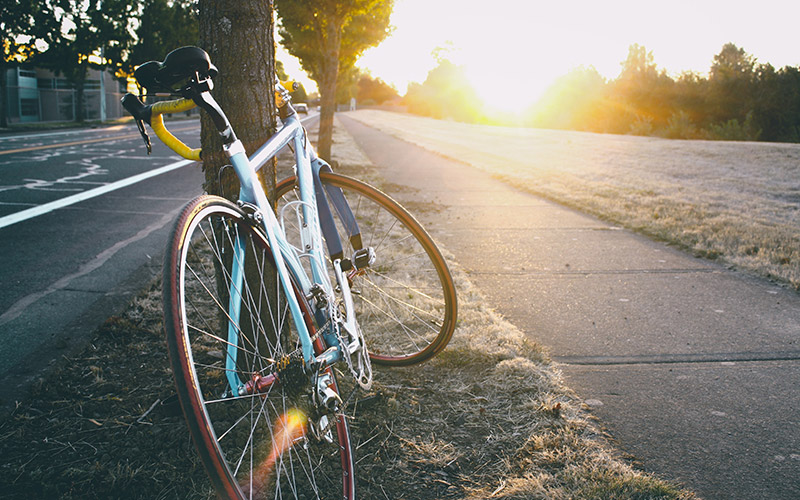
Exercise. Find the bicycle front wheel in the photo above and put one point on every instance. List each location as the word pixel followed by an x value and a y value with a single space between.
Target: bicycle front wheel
pixel 255 444
pixel 405 301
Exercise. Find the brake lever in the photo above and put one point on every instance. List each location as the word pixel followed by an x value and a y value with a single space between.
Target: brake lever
pixel 140 124
pixel 139 112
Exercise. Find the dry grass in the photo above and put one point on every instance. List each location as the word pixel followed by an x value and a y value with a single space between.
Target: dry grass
pixel 734 201
pixel 488 418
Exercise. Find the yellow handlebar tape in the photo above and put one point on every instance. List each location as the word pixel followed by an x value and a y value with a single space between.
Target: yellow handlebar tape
pixel 157 124
pixel 289 86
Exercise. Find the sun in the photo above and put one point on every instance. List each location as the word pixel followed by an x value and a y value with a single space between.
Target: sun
pixel 509 91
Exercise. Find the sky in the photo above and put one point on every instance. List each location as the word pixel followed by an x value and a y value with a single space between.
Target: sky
pixel 512 50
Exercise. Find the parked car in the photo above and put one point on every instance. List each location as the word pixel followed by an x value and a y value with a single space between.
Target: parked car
pixel 301 107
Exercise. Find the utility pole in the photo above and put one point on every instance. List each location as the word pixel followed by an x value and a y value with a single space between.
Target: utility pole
pixel 102 85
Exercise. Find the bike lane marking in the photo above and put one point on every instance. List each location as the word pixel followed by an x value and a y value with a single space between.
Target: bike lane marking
pixel 98 261
pixel 86 195
pixel 92 193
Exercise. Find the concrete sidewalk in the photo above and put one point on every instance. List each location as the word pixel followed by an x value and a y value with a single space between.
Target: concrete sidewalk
pixel 693 368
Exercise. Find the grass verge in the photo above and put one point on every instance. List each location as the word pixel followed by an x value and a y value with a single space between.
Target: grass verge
pixel 733 201
pixel 489 417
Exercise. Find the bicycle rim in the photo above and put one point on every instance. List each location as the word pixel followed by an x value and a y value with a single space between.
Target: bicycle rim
pixel 253 446
pixel 406 301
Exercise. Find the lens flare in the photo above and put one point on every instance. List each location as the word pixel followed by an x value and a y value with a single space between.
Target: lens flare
pixel 287 430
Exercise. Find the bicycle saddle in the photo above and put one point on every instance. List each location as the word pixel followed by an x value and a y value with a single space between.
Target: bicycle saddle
pixel 180 64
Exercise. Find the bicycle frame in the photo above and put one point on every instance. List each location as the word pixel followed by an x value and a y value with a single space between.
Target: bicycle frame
pixel 286 257
pixel 312 208
pixel 274 420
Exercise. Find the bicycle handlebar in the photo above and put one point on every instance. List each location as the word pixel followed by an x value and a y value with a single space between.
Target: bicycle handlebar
pixel 151 114
pixel 194 65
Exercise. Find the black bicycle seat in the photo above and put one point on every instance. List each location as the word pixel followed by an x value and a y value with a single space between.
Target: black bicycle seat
pixel 179 65
pixel 146 74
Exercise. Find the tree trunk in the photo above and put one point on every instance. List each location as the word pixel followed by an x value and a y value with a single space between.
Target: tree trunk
pixel 330 73
pixel 238 35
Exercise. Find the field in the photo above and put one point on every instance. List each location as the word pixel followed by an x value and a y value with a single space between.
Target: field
pixel 488 418
pixel 738 202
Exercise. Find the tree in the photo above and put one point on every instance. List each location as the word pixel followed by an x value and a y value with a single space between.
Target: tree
pixel 15 22
pixel 21 26
pixel 639 64
pixel 375 90
pixel 731 84
pixel 239 38
pixel 731 63
pixel 445 93
pixel 641 90
pixel 328 36
pixel 777 104
pixel 82 29
pixel 346 85
pixel 164 25
pixel 574 101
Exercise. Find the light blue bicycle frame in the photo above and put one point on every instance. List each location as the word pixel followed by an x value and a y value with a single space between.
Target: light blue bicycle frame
pixel 286 258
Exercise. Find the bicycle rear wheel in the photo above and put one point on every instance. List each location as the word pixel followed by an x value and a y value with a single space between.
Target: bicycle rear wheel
pixel 406 301
pixel 257 445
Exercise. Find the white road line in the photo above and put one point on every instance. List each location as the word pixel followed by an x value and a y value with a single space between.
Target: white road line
pixel 92 193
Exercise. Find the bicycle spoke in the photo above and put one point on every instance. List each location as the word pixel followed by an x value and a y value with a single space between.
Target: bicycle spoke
pixel 259 438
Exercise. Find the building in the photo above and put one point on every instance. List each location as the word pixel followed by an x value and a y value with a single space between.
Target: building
pixel 38 95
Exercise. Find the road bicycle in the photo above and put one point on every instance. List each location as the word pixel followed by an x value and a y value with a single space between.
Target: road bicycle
pixel 274 314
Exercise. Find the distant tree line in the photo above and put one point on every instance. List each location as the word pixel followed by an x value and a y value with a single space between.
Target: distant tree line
pixel 740 99
pixel 445 93
pixel 366 89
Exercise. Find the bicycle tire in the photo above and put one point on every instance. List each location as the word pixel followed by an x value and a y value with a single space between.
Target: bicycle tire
pixel 255 446
pixel 406 301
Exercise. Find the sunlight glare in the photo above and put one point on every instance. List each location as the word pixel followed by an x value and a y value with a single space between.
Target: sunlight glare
pixel 513 50
pixel 288 428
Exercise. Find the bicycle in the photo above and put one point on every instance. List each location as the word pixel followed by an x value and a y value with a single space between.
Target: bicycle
pixel 271 316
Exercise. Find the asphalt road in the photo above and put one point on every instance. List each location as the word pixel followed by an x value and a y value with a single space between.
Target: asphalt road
pixel 692 367
pixel 84 217
pixel 66 270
